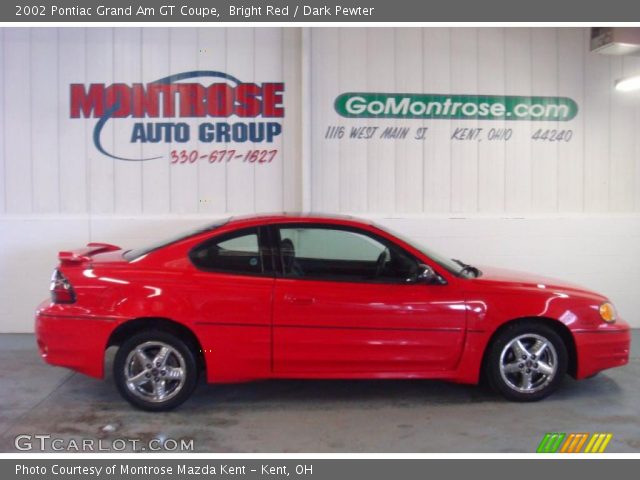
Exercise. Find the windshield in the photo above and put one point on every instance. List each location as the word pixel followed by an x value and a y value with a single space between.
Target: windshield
pixel 456 267
pixel 135 254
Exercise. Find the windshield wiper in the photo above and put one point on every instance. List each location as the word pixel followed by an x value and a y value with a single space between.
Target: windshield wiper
pixel 467 268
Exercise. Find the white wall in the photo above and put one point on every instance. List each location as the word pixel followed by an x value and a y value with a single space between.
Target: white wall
pixel 50 164
pixel 598 171
pixel 565 210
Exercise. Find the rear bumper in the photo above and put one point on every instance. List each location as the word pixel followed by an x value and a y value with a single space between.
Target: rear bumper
pixel 73 341
pixel 602 349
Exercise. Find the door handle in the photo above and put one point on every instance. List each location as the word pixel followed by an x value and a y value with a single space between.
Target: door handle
pixel 292 299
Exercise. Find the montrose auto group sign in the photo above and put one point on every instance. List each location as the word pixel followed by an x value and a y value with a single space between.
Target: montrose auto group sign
pixel 549 112
pixel 182 108
pixel 222 114
pixel 450 107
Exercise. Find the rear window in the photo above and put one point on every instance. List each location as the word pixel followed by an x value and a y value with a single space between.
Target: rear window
pixel 137 253
pixel 237 252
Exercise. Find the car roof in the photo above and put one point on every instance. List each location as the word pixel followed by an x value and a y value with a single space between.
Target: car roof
pixel 302 217
pixel 240 221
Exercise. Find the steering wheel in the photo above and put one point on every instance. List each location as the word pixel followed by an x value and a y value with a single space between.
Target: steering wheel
pixel 382 259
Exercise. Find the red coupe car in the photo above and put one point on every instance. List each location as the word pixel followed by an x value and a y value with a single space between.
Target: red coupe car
pixel 304 296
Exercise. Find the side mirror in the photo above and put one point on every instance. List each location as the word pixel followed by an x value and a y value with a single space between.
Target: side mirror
pixel 426 274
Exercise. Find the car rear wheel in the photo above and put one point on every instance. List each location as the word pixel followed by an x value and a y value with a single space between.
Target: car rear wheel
pixel 155 371
pixel 526 362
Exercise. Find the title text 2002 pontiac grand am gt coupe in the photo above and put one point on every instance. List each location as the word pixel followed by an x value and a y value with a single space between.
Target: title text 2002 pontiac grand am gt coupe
pixel 300 296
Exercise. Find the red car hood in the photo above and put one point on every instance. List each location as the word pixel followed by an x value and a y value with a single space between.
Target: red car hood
pixel 514 279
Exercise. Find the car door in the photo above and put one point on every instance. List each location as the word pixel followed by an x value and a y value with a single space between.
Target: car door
pixel 343 307
pixel 231 291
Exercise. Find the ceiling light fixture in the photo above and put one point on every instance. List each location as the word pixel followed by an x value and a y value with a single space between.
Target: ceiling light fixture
pixel 628 84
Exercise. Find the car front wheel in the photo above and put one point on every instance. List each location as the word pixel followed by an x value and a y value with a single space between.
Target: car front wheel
pixel 155 371
pixel 526 361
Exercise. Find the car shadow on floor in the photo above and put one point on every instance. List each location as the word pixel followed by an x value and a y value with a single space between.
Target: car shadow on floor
pixel 383 392
pixel 318 393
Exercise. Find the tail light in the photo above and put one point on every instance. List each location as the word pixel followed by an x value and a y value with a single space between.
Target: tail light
pixel 61 289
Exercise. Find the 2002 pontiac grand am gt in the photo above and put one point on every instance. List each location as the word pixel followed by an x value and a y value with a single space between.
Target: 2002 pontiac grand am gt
pixel 289 296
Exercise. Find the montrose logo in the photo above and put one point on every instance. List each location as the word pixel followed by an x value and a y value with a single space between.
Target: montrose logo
pixel 449 107
pixel 186 103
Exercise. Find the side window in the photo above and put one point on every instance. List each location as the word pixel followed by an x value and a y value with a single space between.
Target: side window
pixel 325 253
pixel 238 252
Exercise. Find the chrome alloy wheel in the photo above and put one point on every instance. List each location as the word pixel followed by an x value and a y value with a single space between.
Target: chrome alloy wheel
pixel 155 371
pixel 528 363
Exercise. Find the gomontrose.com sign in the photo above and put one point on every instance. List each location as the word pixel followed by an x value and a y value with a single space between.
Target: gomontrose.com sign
pixel 449 107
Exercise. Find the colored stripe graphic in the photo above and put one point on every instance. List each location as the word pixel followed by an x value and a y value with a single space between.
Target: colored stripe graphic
pixel 556 442
pixel 598 443
pixel 551 442
pixel 574 443
pixel 569 443
pixel 581 442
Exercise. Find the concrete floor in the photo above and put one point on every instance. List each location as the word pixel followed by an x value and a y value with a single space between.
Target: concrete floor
pixel 316 416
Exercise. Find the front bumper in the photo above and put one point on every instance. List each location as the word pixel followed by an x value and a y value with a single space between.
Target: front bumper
pixel 73 341
pixel 601 349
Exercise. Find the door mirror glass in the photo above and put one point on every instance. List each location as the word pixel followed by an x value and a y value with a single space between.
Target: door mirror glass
pixel 426 274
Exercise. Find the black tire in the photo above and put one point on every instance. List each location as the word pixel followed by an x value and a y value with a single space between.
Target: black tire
pixel 513 385
pixel 146 394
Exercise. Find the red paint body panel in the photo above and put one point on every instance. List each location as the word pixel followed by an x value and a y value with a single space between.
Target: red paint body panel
pixel 320 327
pixel 74 342
pixel 255 327
pixel 601 350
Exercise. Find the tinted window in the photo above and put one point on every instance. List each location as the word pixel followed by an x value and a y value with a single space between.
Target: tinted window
pixel 342 255
pixel 238 252
pixel 447 263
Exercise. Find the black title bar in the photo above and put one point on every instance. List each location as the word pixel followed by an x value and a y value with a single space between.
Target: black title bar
pixel 311 469
pixel 215 11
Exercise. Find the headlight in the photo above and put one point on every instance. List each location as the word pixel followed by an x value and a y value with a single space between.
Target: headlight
pixel 608 312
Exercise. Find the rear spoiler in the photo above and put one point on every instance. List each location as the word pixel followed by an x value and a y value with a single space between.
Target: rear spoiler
pixel 82 255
